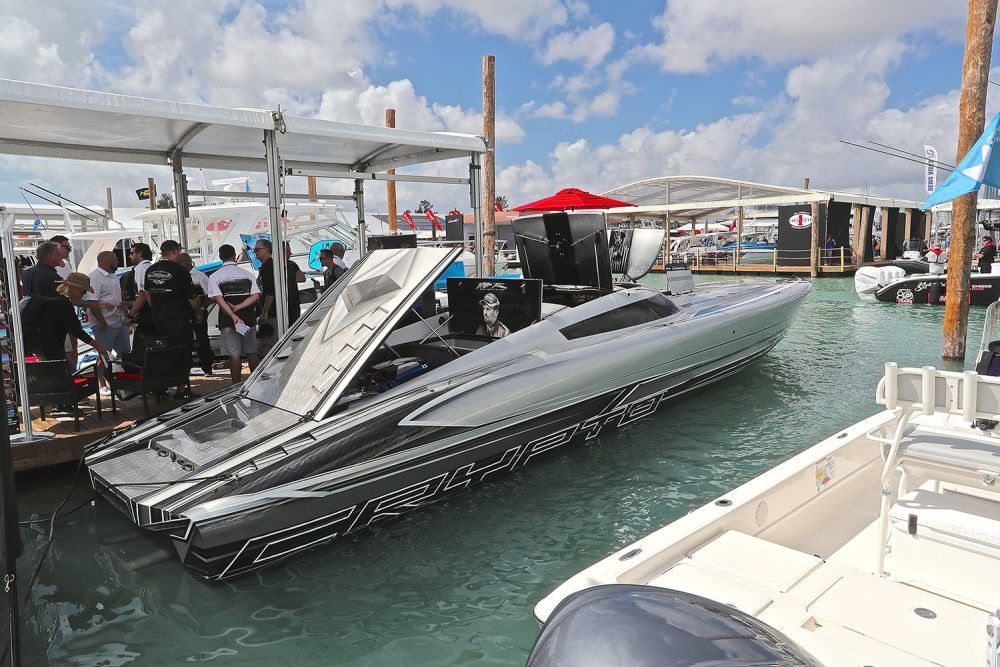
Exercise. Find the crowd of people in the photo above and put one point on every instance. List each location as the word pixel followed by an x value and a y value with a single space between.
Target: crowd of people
pixel 161 304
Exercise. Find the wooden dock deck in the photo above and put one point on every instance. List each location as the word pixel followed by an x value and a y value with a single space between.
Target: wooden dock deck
pixel 67 444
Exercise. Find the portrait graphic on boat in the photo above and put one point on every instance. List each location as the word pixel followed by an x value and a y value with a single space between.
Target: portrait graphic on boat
pixel 495 307
pixel 619 244
pixel 491 326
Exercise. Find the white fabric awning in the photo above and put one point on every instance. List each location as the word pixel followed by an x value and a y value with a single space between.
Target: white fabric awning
pixel 53 121
pixel 696 197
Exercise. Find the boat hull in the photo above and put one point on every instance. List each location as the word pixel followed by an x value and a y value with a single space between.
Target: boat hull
pixel 351 505
pixel 983 290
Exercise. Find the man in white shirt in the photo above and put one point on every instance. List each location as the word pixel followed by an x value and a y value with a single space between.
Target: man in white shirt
pixel 141 257
pixel 206 355
pixel 235 291
pixel 109 328
pixel 65 248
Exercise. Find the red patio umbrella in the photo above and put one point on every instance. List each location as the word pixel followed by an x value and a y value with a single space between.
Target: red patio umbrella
pixel 569 199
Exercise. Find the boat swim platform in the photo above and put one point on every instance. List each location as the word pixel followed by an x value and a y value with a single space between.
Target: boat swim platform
pixel 836 271
pixel 66 444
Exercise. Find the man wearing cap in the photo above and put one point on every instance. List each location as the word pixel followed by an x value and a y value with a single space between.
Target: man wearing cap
pixel 57 319
pixel 236 292
pixel 492 326
pixel 172 301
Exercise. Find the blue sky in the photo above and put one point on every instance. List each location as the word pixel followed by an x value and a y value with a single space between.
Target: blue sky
pixel 590 94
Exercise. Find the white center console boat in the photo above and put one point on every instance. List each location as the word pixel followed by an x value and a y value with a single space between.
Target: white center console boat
pixel 878 546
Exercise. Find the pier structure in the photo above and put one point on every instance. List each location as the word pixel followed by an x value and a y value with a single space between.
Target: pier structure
pixel 773 229
pixel 67 123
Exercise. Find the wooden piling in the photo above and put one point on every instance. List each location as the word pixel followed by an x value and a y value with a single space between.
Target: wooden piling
pixel 152 193
pixel 390 186
pixel 814 240
pixel 489 166
pixel 972 112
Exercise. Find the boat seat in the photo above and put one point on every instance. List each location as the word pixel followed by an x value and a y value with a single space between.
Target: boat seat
pixel 951 545
pixel 966 458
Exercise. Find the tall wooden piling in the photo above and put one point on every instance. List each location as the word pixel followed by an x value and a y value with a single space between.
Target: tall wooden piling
pixel 972 112
pixel 489 166
pixel 390 186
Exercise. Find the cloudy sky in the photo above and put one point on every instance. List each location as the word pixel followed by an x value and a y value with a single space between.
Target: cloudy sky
pixel 590 94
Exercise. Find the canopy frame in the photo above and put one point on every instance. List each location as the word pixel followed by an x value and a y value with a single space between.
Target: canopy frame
pixel 66 123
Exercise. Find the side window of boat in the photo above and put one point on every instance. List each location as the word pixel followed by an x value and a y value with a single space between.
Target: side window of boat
pixel 638 312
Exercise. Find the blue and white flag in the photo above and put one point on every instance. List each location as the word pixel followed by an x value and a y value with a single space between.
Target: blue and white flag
pixel 981 165
pixel 930 173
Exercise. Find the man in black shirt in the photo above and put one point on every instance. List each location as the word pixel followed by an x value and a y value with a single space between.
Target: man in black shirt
pixel 986 255
pixel 268 333
pixel 172 302
pixel 41 279
pixel 57 319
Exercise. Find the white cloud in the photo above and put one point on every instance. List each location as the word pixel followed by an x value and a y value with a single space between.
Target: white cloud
pixel 585 103
pixel 700 34
pixel 522 20
pixel 47 42
pixel 787 138
pixel 413 111
pixel 551 110
pixel 588 46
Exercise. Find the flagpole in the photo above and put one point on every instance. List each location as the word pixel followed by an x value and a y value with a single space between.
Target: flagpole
pixel 972 118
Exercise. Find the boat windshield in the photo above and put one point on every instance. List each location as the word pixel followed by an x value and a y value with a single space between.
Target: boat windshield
pixel 317 358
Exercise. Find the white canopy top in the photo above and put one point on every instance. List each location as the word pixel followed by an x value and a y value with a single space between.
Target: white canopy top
pixel 53 121
pixel 700 196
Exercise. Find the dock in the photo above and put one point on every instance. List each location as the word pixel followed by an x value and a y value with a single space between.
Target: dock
pixel 66 444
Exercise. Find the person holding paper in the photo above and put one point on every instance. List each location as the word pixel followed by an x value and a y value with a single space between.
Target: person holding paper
pixel 236 291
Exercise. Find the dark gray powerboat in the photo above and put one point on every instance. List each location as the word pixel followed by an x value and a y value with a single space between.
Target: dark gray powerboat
pixel 381 399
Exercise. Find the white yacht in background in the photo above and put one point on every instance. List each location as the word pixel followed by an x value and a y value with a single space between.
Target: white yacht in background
pixel 213 225
pixel 878 546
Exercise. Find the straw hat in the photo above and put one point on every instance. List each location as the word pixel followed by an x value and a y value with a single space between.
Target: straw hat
pixel 80 280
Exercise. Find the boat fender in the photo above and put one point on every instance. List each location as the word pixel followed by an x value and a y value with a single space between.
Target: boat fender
pixel 911 524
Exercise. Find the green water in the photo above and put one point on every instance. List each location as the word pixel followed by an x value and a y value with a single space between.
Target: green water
pixel 455 583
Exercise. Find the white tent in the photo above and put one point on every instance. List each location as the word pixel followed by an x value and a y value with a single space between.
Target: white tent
pixel 57 122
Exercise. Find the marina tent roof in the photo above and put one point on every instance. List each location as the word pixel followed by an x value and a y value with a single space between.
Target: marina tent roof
pixel 697 197
pixel 982 204
pixel 53 121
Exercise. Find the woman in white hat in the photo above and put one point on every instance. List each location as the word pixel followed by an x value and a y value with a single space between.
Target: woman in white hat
pixel 57 319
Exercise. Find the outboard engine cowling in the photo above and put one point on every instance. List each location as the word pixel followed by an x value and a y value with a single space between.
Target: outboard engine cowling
pixel 625 624
pixel 870 279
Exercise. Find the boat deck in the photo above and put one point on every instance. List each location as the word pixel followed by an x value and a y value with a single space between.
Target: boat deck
pixel 837 608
